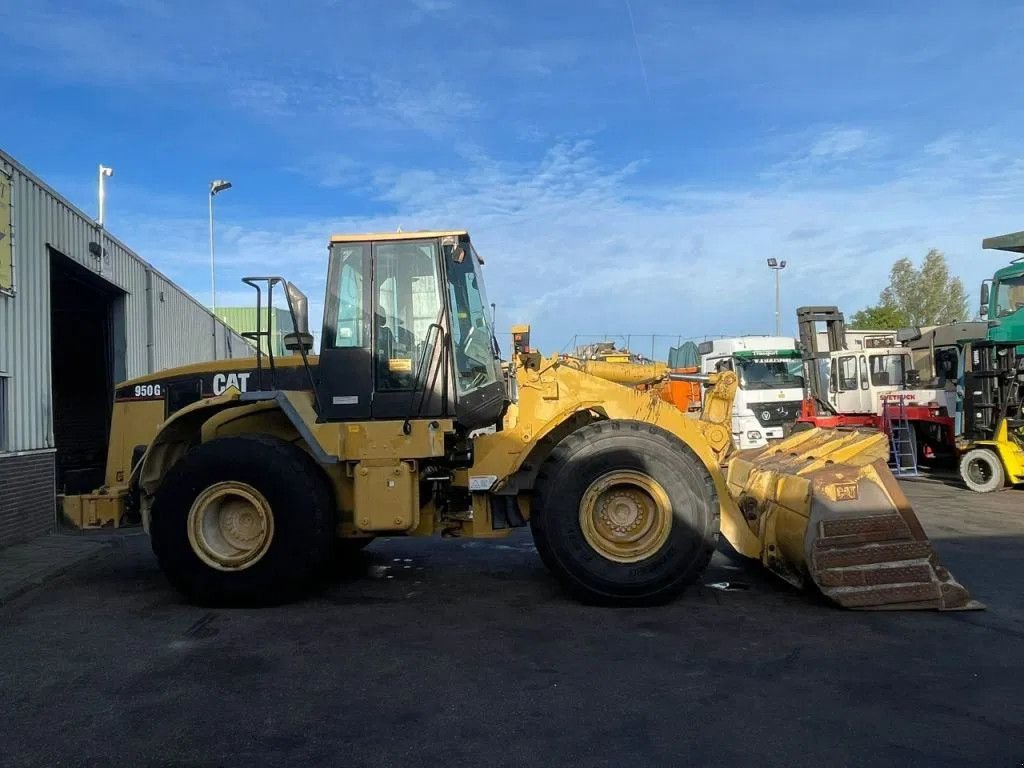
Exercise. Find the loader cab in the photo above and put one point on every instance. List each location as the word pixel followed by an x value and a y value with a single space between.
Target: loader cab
pixel 406 333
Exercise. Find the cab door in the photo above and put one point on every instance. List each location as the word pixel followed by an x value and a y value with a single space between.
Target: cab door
pixel 410 378
pixel 846 386
pixel 346 361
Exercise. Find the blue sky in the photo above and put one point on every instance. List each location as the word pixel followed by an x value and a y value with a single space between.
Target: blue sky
pixel 619 175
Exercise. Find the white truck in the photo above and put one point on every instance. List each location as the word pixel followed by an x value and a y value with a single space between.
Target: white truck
pixel 771 384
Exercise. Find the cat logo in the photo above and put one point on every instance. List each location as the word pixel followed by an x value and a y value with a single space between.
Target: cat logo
pixel 222 381
pixel 846 491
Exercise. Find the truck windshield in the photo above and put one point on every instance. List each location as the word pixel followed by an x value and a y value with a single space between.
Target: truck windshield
pixel 1009 296
pixel 767 373
pixel 476 364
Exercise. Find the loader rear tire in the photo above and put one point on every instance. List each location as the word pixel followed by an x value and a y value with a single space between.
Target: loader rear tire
pixel 624 513
pixel 982 470
pixel 243 521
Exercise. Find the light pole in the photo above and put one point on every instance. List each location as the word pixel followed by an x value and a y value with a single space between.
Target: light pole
pixel 777 266
pixel 105 172
pixel 217 185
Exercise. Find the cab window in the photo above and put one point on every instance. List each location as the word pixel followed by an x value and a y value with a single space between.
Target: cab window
pixel 345 316
pixel 847 373
pixel 887 370
pixel 407 303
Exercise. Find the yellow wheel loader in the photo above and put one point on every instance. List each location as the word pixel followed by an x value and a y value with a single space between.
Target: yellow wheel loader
pixel 252 472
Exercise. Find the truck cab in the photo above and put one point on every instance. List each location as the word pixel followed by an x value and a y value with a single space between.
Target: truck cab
pixel 1002 296
pixel 864 381
pixel 771 384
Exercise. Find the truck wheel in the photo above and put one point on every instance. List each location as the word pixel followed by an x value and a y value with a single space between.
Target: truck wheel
pixel 243 520
pixel 982 471
pixel 624 513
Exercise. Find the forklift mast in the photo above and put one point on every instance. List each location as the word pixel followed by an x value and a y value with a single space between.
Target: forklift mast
pixel 994 389
pixel 835 326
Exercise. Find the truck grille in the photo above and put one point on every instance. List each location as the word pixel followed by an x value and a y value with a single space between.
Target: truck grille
pixel 776 414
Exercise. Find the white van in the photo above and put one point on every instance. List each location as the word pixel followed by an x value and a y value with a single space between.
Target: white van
pixel 771 384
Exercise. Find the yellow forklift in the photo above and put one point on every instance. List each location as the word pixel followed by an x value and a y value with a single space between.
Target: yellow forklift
pixel 991 445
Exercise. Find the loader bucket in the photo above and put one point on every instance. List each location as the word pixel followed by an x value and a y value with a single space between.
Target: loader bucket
pixel 828 511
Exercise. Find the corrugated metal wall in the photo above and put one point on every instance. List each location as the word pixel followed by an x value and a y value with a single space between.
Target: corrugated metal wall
pixel 160 333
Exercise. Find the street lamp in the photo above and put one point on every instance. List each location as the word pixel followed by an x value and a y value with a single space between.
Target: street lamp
pixel 105 173
pixel 217 185
pixel 777 266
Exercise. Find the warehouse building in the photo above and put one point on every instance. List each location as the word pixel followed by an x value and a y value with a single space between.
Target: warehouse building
pixel 79 312
pixel 244 320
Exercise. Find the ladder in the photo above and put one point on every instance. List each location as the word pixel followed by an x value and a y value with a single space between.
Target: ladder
pixel 902 442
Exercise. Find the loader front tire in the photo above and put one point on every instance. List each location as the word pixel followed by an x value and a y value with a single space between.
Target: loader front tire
pixel 243 521
pixel 624 513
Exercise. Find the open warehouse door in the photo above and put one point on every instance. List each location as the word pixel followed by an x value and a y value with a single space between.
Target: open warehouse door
pixel 87 358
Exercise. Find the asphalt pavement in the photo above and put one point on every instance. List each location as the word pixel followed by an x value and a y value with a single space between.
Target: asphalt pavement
pixel 466 653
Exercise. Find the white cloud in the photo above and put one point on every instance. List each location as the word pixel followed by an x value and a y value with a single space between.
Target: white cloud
pixel 574 246
pixel 839 142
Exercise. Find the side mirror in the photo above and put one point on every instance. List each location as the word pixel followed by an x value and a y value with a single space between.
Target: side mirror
pixel 299 305
pixel 301 339
pixel 984 298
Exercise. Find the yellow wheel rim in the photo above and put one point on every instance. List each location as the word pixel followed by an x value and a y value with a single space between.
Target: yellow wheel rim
pixel 626 516
pixel 230 526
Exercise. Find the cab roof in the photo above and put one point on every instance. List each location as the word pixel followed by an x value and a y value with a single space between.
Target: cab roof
pixel 420 235
pixel 1013 242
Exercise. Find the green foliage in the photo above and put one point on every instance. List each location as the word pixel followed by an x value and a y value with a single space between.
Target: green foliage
pixel 916 297
pixel 879 318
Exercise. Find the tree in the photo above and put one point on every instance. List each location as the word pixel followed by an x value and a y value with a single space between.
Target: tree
pixel 879 318
pixel 916 297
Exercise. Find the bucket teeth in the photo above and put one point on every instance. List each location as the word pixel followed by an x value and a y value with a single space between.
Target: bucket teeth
pixel 829 512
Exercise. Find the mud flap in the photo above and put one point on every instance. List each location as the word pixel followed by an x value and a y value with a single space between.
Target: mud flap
pixel 829 512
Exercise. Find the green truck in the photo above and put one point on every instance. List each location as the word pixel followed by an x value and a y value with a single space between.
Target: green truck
pixel 1002 296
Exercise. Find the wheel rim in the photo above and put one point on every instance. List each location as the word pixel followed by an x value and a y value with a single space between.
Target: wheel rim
pixel 979 471
pixel 230 526
pixel 625 516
